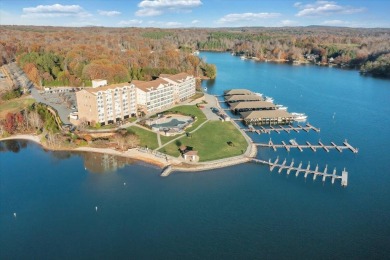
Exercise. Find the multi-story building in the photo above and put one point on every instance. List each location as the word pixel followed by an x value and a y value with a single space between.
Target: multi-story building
pixel 154 95
pixel 107 104
pixel 184 85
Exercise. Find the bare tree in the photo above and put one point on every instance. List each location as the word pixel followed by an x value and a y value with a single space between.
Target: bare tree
pixel 120 140
pixel 35 120
pixel 82 124
pixel 132 140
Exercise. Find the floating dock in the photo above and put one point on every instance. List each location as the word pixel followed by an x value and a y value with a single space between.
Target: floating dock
pixel 306 171
pixel 281 128
pixel 327 148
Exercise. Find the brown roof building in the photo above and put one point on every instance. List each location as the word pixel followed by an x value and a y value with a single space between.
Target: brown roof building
pixel 267 117
pixel 251 105
pixel 231 92
pixel 243 98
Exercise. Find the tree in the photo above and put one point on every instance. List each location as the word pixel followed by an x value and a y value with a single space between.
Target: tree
pixel 10 125
pixel 133 140
pixel 35 120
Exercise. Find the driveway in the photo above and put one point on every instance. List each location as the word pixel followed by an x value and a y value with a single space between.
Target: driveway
pixel 211 103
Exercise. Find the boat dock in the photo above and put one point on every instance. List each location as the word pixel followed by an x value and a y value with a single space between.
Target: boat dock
pixel 282 128
pixel 306 171
pixel 320 145
pixel 166 171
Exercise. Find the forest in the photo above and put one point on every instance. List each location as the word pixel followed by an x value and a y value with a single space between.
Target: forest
pixel 58 56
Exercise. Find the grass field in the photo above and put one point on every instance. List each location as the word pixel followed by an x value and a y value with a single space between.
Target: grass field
pixel 14 105
pixel 211 142
pixel 147 138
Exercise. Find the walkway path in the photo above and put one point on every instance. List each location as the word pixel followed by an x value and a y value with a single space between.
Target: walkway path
pixel 180 136
pixel 159 139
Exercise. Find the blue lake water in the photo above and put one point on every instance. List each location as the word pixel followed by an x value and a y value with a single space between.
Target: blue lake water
pixel 238 212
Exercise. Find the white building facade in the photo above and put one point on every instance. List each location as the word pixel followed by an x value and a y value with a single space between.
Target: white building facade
pixel 107 104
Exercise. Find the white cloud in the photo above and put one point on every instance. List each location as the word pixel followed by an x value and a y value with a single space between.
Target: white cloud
pixel 195 21
pixel 56 10
pixel 297 4
pixel 108 13
pixel 337 23
pixel 164 24
pixel 133 22
pixel 289 23
pixel 173 24
pixel 246 17
pixel 158 7
pixel 325 8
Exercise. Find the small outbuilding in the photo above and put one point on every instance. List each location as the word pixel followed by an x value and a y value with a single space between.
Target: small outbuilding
pixel 191 156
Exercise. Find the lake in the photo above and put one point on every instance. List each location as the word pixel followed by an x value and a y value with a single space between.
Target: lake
pixel 71 205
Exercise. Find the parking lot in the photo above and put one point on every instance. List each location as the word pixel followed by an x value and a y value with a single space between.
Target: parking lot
pixel 63 99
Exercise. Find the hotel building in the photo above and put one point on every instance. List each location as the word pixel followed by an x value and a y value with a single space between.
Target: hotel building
pixel 184 85
pixel 108 104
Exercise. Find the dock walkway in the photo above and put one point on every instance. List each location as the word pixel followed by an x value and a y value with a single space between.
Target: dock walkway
pixel 313 147
pixel 282 128
pixel 306 171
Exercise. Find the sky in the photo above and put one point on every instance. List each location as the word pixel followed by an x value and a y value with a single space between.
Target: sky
pixel 196 13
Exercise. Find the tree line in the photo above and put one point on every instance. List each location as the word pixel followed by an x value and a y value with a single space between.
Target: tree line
pixel 75 56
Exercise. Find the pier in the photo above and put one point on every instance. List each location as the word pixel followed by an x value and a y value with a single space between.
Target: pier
pixel 293 144
pixel 281 128
pixel 166 171
pixel 306 171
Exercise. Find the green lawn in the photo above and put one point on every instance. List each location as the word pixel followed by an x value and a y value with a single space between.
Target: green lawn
pixel 211 142
pixel 147 138
pixel 14 105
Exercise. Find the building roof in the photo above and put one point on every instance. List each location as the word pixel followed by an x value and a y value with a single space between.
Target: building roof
pixel 104 88
pixel 244 98
pixel 265 114
pixel 148 85
pixel 237 92
pixel 177 77
pixel 192 152
pixel 252 105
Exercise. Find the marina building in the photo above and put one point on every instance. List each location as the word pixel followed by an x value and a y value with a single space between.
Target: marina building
pixel 107 104
pixel 232 92
pixel 267 117
pixel 251 105
pixel 243 98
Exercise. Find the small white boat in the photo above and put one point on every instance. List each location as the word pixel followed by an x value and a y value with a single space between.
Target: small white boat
pixel 269 99
pixel 281 107
pixel 299 116
pixel 243 57
pixel 205 88
pixel 293 142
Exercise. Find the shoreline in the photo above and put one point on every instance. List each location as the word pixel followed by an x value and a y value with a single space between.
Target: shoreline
pixel 175 164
